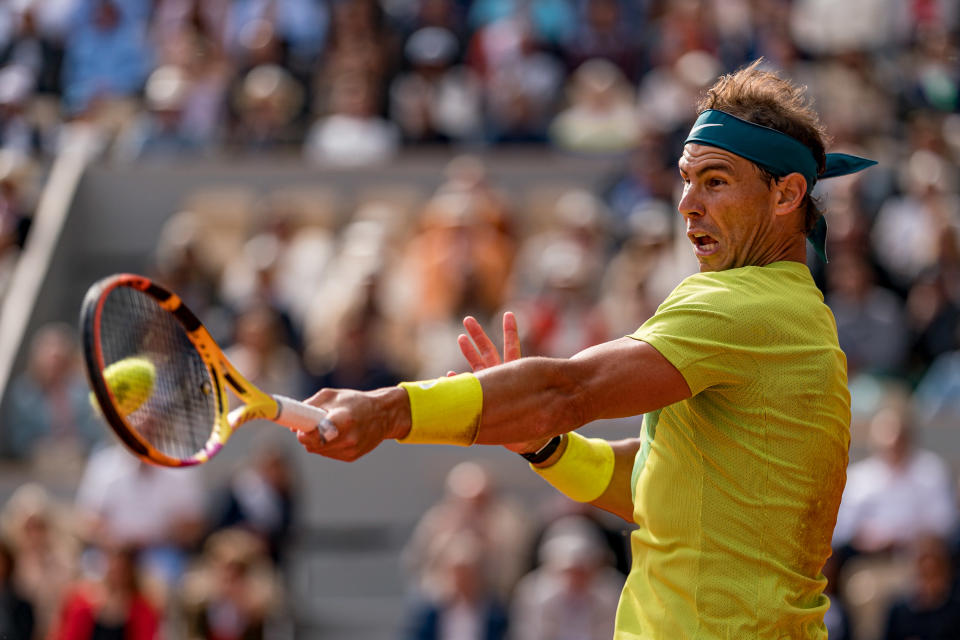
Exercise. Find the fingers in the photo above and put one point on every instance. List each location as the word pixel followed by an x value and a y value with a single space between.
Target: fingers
pixel 312 440
pixel 511 338
pixel 488 351
pixel 470 353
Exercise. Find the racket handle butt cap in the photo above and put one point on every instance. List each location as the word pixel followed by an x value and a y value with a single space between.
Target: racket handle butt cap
pixel 299 416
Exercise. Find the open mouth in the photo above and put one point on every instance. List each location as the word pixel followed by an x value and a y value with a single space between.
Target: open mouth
pixel 703 243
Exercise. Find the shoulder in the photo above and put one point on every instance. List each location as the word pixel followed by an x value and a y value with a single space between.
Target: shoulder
pixel 747 285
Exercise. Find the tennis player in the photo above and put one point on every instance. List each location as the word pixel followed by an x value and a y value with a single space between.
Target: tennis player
pixel 737 475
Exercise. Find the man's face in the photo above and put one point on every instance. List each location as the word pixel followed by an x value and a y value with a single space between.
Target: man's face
pixel 728 209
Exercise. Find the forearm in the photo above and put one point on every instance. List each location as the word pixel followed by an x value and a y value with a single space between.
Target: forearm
pixel 521 401
pixel 531 399
pixel 520 404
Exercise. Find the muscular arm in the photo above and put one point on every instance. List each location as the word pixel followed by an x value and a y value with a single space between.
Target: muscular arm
pixel 535 398
pixel 524 401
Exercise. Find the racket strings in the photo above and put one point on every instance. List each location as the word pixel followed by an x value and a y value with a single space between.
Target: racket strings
pixel 176 414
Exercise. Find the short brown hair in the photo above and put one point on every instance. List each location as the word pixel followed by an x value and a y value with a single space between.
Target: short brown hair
pixel 764 98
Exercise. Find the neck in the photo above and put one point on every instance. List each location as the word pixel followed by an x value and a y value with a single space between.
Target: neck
pixel 792 249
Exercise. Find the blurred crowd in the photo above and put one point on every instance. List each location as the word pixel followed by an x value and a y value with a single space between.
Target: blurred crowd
pixel 375 294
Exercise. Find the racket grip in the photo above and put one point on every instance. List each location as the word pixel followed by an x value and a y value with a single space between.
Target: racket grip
pixel 299 416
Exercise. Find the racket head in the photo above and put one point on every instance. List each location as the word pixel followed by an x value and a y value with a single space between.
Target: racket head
pixel 157 375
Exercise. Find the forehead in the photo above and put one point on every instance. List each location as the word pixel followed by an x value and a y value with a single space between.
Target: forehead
pixel 699 157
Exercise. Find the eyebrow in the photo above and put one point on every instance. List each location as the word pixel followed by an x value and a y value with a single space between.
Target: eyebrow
pixel 713 166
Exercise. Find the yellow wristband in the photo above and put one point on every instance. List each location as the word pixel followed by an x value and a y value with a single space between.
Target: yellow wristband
pixel 583 471
pixel 445 410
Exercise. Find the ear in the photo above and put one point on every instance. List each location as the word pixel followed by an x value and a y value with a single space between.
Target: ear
pixel 789 192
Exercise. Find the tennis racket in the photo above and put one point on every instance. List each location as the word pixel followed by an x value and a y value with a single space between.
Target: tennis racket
pixel 161 381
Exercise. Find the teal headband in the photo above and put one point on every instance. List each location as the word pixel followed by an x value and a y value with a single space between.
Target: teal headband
pixel 776 152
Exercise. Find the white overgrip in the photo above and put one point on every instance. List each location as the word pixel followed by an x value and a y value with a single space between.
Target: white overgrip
pixel 299 416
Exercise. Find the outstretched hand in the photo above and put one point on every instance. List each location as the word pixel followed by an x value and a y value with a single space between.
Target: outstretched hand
pixel 481 353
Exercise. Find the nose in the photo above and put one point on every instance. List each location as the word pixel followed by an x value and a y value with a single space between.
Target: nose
pixel 690 204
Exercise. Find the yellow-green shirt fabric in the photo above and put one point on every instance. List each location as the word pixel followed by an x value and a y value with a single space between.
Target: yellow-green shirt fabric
pixel 736 489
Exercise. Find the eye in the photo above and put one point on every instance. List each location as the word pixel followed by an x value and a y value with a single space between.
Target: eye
pixel 716 182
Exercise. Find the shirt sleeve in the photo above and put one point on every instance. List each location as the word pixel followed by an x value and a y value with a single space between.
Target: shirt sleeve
pixel 700 330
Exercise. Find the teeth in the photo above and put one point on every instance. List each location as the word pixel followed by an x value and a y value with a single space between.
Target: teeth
pixel 699 235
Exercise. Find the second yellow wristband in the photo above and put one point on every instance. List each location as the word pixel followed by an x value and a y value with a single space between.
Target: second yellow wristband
pixel 585 469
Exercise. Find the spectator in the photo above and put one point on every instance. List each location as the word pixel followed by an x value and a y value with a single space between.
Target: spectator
pixel 552 22
pixel 16 614
pixel 824 28
pixel 300 27
pixel 574 593
pixel 260 498
pixel 127 503
pixel 898 493
pixel 183 263
pixel 359 357
pixel 352 332
pixel 261 354
pixel 938 392
pixel 457 264
pixel 186 95
pixel 109 604
pixel 461 255
pixel 601 115
pixel 203 19
pixel 37 31
pixel 466 609
pixel 46 553
pixel 161 130
pixel 907 228
pixel 436 100
pixel 233 591
pixel 933 313
pixel 930 610
pixel 470 507
pixel 284 254
pixel 361 44
pixel 604 32
pixel 870 320
pixel 521 82
pixel 267 101
pixel 578 223
pixel 641 274
pixel 352 134
pixel 648 175
pixel 17 132
pixel 107 54
pixel 49 414
pixel 564 317
pixel 668 93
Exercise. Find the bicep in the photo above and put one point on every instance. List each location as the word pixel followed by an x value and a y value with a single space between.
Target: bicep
pixel 627 377
pixel 535 398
